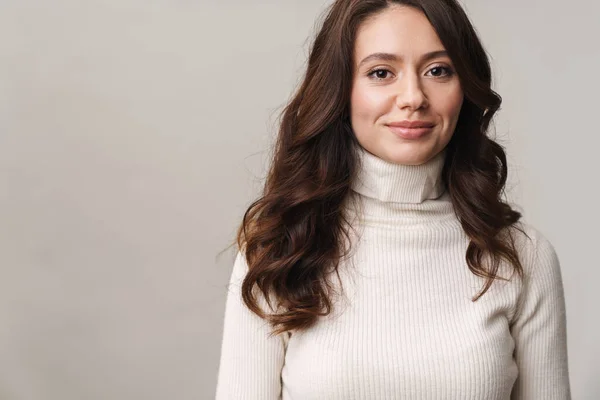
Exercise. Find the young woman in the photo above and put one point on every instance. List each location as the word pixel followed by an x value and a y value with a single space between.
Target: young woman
pixel 381 261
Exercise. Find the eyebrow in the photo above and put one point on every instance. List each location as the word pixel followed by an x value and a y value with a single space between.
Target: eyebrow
pixel 394 57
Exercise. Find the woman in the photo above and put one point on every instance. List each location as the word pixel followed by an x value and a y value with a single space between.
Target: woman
pixel 381 261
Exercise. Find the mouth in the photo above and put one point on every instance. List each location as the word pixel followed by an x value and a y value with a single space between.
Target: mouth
pixel 412 124
pixel 416 131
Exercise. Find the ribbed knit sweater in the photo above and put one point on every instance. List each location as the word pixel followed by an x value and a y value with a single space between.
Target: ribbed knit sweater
pixel 406 326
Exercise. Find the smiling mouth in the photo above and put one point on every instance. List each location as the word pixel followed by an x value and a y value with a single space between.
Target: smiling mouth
pixel 410 133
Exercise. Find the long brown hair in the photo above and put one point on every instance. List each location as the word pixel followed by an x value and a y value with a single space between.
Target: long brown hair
pixel 292 237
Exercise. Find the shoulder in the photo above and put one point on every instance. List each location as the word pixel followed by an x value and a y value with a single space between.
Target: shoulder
pixel 529 237
pixel 239 274
pixel 536 252
pixel 541 288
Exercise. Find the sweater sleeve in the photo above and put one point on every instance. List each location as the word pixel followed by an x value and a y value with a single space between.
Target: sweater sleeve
pixel 251 361
pixel 539 329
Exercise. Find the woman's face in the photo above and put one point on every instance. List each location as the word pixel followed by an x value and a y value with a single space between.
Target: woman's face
pixel 402 74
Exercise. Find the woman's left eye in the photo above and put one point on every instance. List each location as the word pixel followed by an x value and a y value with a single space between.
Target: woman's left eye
pixel 441 69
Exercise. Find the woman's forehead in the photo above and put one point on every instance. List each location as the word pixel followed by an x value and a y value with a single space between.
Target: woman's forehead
pixel 401 31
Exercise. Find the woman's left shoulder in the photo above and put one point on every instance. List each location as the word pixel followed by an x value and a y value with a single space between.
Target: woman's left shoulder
pixel 536 252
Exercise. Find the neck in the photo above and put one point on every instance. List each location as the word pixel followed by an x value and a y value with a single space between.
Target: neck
pixel 397 183
pixel 401 195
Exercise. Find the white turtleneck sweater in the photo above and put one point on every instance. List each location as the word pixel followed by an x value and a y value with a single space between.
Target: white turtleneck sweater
pixel 406 327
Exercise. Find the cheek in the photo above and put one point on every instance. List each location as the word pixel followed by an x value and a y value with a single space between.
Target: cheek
pixel 448 105
pixel 456 104
pixel 366 104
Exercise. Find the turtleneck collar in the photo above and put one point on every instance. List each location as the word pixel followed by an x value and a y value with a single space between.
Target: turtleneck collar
pixel 409 184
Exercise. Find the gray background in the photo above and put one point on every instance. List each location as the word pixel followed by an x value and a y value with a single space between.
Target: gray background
pixel 133 135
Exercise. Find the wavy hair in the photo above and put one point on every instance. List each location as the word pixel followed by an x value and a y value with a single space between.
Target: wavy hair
pixel 292 237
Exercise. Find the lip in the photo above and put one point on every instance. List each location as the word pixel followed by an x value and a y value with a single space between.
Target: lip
pixel 411 129
pixel 411 124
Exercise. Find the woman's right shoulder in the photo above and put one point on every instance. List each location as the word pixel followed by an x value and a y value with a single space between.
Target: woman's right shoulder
pixel 240 267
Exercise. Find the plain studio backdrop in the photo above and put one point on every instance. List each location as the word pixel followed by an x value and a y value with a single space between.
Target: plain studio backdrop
pixel 134 134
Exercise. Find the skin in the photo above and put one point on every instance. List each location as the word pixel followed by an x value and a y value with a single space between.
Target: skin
pixel 407 88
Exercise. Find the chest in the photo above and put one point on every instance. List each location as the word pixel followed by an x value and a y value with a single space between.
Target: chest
pixel 406 327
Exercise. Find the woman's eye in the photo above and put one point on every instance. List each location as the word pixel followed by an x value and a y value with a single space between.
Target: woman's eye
pixel 440 71
pixel 379 74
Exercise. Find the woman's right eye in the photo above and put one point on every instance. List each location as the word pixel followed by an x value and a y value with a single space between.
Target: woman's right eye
pixel 379 74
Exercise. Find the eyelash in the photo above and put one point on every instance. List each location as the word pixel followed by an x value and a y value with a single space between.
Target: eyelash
pixel 449 72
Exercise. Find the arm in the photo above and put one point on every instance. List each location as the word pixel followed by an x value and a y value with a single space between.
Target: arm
pixel 539 329
pixel 251 362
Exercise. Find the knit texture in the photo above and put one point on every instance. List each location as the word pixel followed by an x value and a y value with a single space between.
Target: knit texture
pixel 406 326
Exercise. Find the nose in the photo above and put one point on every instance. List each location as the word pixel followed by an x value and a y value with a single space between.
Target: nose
pixel 410 93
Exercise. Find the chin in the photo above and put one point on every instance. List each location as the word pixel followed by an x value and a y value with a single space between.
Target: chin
pixel 408 156
pixel 409 161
